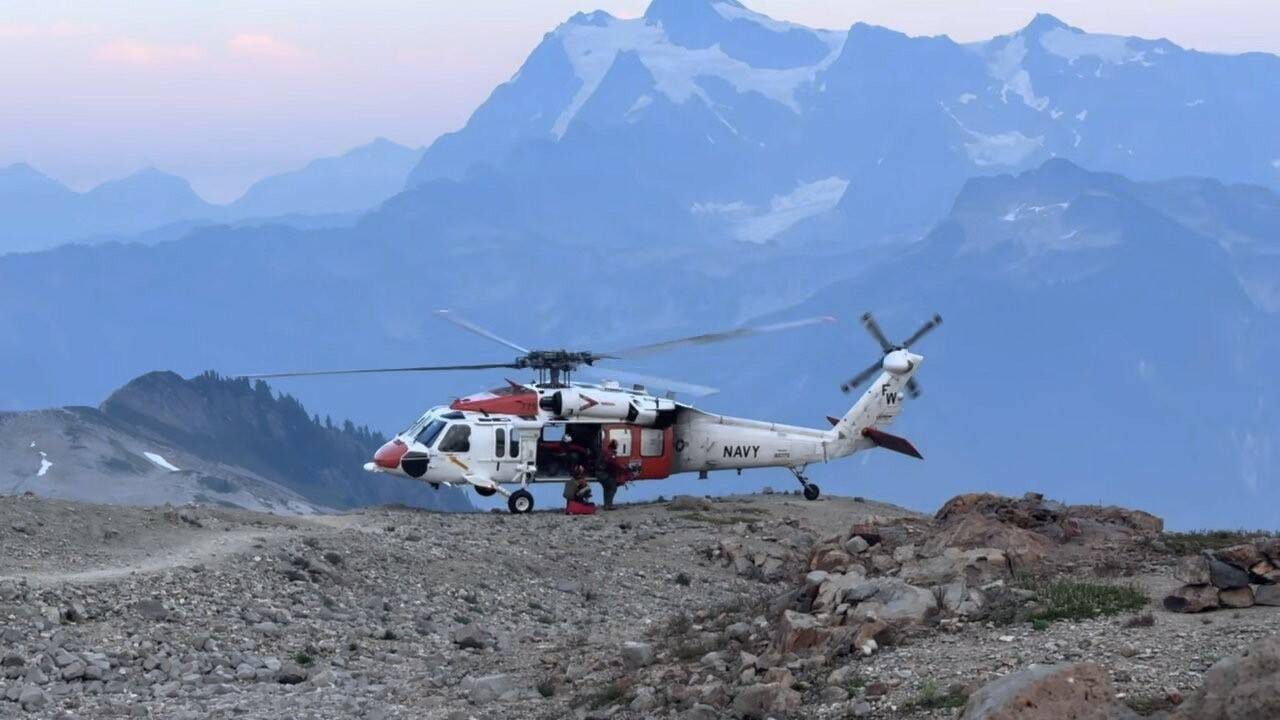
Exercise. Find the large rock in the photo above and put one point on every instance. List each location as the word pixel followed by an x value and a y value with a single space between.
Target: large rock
pixel 636 655
pixel 976 567
pixel 897 603
pixel 472 636
pixel 1264 572
pixel 1192 599
pixel 488 688
pixel 1241 597
pixel 1240 687
pixel 798 632
pixel 1243 556
pixel 835 588
pixel 1225 575
pixel 764 700
pixel 830 558
pixel 1080 691
pixel 1193 570
pixel 1267 595
pixel 1270 547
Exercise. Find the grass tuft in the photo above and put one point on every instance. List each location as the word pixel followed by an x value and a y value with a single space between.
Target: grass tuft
pixel 1066 599
pixel 931 697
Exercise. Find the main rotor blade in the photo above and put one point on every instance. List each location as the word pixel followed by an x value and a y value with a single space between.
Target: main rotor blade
pixel 485 366
pixel 472 327
pixel 649 381
pixel 873 327
pixel 934 322
pixel 862 376
pixel 706 338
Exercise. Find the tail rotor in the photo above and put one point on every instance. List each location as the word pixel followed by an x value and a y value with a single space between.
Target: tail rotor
pixel 873 328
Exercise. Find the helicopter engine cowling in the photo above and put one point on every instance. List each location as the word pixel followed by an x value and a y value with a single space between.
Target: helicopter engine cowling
pixel 603 404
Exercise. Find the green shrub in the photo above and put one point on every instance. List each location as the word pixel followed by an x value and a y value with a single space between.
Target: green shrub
pixel 931 697
pixel 1067 599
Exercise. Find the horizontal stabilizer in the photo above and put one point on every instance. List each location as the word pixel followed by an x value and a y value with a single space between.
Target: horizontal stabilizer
pixel 833 420
pixel 891 442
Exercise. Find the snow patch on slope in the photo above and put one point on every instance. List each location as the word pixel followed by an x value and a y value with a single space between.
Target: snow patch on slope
pixel 161 462
pixel 1072 45
pixel 759 225
pixel 592 48
pixel 44 464
pixel 1006 66
pixel 1006 148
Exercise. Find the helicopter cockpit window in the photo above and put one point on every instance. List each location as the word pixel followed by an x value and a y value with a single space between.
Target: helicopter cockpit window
pixel 429 433
pixel 457 439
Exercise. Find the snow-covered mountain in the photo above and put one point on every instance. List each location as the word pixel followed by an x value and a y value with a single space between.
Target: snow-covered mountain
pixel 733 115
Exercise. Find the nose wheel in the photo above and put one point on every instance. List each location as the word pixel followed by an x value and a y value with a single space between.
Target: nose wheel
pixel 811 491
pixel 520 502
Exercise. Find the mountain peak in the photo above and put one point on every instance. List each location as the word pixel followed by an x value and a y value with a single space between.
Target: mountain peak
pixel 667 11
pixel 1043 23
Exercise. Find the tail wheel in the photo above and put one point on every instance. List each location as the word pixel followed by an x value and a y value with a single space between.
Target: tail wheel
pixel 485 492
pixel 811 492
pixel 520 502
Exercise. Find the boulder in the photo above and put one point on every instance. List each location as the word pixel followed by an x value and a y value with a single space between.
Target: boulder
pixel 32 698
pixel 1241 597
pixel 1243 556
pixel 1267 595
pixel 1192 599
pixel 1079 691
pixel 897 603
pixel 291 674
pixel 1264 572
pixel 1193 570
pixel 152 610
pixel 976 567
pixel 636 655
pixel 869 532
pixel 856 545
pixel 689 503
pixel 835 588
pixel 488 688
pixel 799 631
pixel 1269 547
pixel 764 700
pixel 472 636
pixel 1225 575
pixel 830 558
pixel 1240 686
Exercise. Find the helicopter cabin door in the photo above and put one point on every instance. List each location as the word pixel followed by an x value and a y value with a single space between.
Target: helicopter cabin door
pixel 651 449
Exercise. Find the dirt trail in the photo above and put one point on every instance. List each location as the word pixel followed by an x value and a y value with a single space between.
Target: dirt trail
pixel 200 550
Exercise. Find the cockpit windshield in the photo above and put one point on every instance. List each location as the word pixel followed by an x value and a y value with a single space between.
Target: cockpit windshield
pixel 429 433
pixel 425 421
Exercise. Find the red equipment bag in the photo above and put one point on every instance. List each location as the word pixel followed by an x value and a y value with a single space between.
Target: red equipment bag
pixel 580 508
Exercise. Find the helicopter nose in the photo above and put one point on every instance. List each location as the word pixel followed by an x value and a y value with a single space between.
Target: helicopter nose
pixel 389 455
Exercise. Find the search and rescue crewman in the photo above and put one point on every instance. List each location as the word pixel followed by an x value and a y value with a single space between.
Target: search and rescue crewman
pixel 576 487
pixel 616 473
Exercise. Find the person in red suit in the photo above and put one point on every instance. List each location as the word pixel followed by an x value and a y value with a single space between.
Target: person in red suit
pixel 616 472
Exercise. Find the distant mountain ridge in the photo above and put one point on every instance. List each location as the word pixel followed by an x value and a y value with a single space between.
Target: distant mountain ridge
pixel 713 105
pixel 38 212
pixel 208 439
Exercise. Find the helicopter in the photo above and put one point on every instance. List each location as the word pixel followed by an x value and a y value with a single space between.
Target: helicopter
pixel 541 431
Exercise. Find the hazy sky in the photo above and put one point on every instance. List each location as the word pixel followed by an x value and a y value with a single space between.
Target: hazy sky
pixel 225 92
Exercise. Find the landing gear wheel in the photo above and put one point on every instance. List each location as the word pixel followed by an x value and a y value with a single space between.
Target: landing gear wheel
pixel 485 492
pixel 811 492
pixel 520 502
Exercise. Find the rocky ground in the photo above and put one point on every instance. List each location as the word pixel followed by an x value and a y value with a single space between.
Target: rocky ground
pixel 661 610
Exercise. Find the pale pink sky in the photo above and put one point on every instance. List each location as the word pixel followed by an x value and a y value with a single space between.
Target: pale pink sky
pixel 225 92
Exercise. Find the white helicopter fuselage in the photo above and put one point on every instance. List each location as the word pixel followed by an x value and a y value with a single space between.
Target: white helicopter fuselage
pixel 526 434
